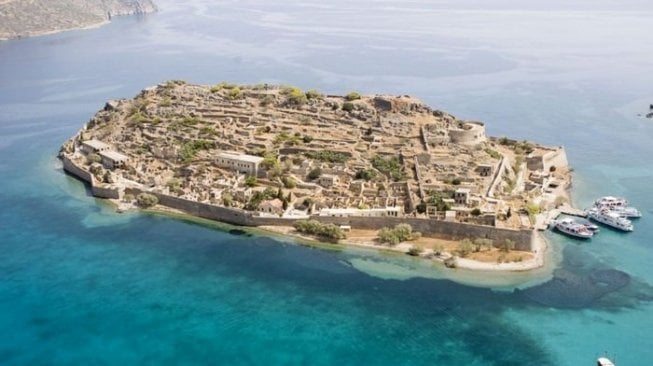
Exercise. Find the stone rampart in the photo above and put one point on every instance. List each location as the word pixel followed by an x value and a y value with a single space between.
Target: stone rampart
pixel 443 229
pixel 471 133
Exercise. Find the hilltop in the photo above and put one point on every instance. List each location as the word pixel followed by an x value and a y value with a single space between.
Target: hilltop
pixel 26 18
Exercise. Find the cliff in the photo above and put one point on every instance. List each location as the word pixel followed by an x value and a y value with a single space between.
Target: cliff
pixel 26 18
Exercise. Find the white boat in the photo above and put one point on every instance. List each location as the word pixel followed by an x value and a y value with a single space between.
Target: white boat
pixel 603 361
pixel 591 227
pixel 609 218
pixel 629 212
pixel 572 228
pixel 611 201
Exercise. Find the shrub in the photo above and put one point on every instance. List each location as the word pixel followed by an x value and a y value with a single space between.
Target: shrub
pixel 476 212
pixel 465 247
pixel 234 93
pixel 455 181
pixel 288 182
pixel 128 197
pixel 313 94
pixel 390 166
pixel 507 245
pixel 348 106
pixel 352 96
pixel 415 251
pixel 146 200
pixel 366 174
pixel 251 181
pixel 401 232
pixel 313 227
pixel 328 156
pixel 307 139
pixel 295 95
pixel 315 173
pixel 93 158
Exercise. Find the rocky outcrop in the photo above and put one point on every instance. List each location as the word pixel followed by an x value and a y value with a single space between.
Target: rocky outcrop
pixel 26 18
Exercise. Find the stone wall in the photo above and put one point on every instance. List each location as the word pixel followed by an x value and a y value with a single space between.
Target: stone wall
pixel 472 133
pixel 443 229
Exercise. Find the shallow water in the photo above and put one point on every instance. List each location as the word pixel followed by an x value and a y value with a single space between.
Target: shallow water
pixel 81 284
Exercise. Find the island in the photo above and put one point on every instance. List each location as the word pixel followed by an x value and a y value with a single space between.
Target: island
pixel 380 171
pixel 27 18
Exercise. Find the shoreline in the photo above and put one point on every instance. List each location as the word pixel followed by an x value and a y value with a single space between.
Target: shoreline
pixel 541 247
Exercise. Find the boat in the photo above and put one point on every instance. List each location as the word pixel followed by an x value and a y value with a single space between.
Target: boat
pixel 591 227
pixel 609 218
pixel 572 228
pixel 604 361
pixel 611 201
pixel 628 212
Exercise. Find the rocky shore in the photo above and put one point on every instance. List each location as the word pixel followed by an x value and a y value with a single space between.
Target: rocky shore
pixel 28 18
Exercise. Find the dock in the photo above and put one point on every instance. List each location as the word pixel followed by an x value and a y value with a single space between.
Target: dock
pixel 544 221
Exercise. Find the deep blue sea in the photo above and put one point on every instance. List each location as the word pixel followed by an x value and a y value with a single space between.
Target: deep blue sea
pixel 80 284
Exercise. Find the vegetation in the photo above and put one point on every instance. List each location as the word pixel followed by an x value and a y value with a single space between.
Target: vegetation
pixel 295 95
pixel 493 153
pixel 313 227
pixel 288 182
pixel 146 200
pixel 476 212
pixel 258 197
pixel 307 139
pixel 348 106
pixel 465 247
pixel 390 166
pixel 366 174
pixel 174 185
pixel 251 181
pixel 437 199
pixel 314 174
pixel 128 197
pixel 189 150
pixel 401 232
pixel 507 245
pixel 328 156
pixel 455 181
pixel 93 158
pixel 313 94
pixel 352 96
pixel 415 251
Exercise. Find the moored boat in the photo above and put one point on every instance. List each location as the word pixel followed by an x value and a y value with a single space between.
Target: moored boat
pixel 604 361
pixel 572 228
pixel 609 218
pixel 628 212
pixel 611 201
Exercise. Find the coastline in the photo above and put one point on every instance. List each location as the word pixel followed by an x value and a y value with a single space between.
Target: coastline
pixel 541 247
pixel 56 31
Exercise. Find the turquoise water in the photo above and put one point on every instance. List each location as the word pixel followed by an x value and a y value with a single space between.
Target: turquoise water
pixel 83 285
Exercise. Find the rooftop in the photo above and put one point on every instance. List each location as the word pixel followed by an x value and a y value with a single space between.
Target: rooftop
pixel 241 157
pixel 115 156
pixel 96 144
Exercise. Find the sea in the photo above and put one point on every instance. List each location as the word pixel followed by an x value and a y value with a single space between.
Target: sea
pixel 83 285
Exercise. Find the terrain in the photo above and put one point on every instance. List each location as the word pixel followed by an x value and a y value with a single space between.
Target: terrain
pixel 26 18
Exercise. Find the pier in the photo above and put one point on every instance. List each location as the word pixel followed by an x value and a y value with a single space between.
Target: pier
pixel 544 221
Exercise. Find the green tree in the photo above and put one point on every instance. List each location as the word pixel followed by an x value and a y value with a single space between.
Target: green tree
pixel 465 247
pixel 476 212
pixel 348 106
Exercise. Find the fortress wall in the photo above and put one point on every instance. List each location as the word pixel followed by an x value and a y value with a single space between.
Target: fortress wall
pixel 474 135
pixel 557 158
pixel 224 214
pixel 70 167
pixel 448 230
pixel 441 229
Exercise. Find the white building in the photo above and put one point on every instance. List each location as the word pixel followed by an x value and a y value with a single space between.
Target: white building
pixel 243 163
pixel 112 159
pixel 94 146
pixel 370 212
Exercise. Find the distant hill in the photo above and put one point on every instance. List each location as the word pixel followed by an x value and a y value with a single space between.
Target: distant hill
pixel 26 18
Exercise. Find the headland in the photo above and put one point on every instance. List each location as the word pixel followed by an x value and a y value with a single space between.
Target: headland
pixel 376 171
pixel 28 18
